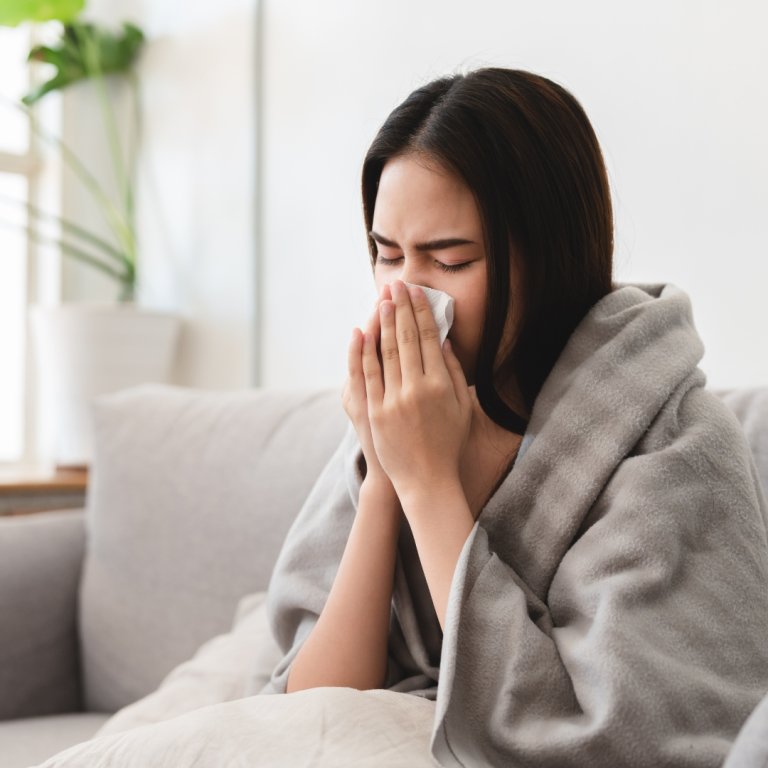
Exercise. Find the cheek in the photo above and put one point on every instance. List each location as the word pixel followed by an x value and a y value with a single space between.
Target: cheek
pixel 379 282
pixel 469 312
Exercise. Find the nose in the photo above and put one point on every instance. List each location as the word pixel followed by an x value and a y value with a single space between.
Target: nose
pixel 411 273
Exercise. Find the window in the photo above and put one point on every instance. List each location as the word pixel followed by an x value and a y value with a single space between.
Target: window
pixel 21 181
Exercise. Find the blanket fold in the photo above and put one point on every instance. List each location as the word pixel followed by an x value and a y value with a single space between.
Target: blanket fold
pixel 609 606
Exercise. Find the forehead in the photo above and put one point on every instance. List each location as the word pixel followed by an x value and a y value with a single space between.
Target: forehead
pixel 418 198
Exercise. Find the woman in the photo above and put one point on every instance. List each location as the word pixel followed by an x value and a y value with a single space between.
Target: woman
pixel 548 525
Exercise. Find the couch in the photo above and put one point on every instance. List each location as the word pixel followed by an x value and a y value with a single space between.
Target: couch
pixel 191 494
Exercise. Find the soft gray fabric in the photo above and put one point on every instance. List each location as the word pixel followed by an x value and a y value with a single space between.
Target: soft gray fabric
pixel 750 750
pixel 40 564
pixel 609 607
pixel 30 741
pixel 750 404
pixel 191 495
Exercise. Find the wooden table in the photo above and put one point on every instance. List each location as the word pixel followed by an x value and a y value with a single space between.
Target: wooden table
pixel 36 489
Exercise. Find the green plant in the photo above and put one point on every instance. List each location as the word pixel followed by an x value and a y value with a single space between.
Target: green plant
pixel 85 51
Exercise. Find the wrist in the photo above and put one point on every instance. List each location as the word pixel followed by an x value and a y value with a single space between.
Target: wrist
pixel 378 501
pixel 378 485
pixel 434 492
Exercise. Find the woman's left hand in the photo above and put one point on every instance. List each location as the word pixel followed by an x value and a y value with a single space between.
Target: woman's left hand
pixel 419 406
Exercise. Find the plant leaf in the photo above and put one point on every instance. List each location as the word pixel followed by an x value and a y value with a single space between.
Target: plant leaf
pixel 114 53
pixel 14 12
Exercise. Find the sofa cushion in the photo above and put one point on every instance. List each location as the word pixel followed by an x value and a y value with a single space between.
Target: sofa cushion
pixel 30 740
pixel 222 669
pixel 40 567
pixel 191 495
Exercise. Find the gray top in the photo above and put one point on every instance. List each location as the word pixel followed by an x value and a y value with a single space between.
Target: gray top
pixel 609 606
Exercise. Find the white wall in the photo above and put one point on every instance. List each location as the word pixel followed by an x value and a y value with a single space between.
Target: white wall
pixel 675 91
pixel 196 188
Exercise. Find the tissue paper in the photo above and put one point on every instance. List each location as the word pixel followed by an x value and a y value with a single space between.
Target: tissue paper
pixel 442 308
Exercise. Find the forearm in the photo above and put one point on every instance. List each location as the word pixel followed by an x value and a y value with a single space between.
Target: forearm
pixel 441 521
pixel 348 645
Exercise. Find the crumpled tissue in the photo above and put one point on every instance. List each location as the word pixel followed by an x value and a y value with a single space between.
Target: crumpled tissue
pixel 442 308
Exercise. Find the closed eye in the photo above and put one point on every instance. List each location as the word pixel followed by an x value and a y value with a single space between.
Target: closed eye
pixel 445 267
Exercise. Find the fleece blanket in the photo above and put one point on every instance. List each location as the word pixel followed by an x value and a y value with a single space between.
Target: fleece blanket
pixel 609 607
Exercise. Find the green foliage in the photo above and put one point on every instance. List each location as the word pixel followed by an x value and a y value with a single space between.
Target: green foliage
pixel 86 51
pixel 83 48
pixel 14 12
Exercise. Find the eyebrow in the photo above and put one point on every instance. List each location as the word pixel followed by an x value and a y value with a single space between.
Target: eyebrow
pixel 432 245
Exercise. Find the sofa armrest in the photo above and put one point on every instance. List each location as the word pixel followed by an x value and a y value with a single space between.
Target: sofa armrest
pixel 40 563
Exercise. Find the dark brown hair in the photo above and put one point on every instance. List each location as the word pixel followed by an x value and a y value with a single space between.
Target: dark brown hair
pixel 526 149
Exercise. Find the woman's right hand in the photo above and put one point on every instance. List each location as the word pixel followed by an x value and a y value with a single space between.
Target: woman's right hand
pixel 355 401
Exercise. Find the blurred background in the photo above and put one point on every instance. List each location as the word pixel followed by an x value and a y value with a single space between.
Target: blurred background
pixel 250 121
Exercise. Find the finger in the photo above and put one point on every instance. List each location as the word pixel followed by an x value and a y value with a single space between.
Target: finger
pixel 375 323
pixel 390 353
pixel 374 387
pixel 354 364
pixel 374 328
pixel 457 375
pixel 383 296
pixel 429 334
pixel 407 334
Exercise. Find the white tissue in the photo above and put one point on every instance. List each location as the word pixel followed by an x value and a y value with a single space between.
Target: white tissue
pixel 442 309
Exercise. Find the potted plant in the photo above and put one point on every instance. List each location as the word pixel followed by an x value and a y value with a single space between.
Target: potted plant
pixel 88 348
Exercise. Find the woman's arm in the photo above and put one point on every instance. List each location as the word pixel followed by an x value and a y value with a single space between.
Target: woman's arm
pixel 442 521
pixel 348 644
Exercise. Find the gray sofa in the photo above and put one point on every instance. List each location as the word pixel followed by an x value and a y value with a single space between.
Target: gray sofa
pixel 191 495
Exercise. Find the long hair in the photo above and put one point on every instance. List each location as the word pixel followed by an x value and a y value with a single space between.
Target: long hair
pixel 526 149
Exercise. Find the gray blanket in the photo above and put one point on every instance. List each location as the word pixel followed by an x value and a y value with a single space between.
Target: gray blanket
pixel 609 607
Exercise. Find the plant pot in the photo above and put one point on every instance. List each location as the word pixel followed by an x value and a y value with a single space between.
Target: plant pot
pixel 88 349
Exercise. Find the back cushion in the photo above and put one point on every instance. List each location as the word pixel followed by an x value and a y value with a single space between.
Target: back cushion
pixel 191 495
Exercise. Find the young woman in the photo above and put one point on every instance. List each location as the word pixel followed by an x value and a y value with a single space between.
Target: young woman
pixel 548 525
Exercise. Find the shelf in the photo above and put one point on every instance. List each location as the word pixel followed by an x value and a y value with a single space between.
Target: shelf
pixel 25 489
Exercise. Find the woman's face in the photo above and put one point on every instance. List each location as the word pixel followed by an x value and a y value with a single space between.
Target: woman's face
pixel 426 222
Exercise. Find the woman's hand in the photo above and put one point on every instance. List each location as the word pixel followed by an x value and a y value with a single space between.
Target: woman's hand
pixel 419 406
pixel 355 401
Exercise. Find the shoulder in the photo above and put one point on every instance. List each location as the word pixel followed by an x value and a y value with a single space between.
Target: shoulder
pixel 680 526
pixel 689 487
pixel 708 436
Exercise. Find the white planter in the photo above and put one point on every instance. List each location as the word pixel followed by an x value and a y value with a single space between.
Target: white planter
pixel 88 349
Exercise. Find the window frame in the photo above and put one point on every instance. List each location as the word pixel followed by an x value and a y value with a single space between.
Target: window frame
pixel 41 169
